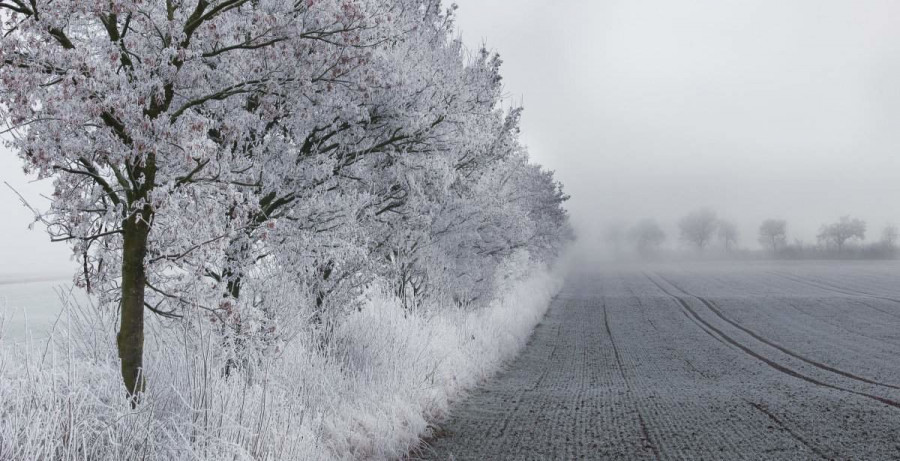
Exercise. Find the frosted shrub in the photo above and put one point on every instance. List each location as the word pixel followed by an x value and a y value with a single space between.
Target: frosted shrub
pixel 388 374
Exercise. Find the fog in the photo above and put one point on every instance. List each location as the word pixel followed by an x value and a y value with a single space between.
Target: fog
pixel 24 251
pixel 756 109
pixel 760 109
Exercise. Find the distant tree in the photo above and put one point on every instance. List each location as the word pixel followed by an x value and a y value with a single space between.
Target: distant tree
pixel 697 227
pixel 728 234
pixel 840 232
pixel 890 235
pixel 773 233
pixel 647 236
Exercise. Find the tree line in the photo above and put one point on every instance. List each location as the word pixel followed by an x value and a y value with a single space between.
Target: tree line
pixel 700 229
pixel 208 154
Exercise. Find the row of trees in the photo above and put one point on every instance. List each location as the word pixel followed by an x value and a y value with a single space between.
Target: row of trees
pixel 702 227
pixel 832 240
pixel 699 229
pixel 206 153
pixel 773 233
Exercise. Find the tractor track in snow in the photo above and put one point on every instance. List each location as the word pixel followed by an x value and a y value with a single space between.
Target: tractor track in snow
pixel 775 365
pixel 714 308
pixel 781 425
pixel 645 434
pixel 838 289
pixel 683 357
pixel 614 372
pixel 860 296
pixel 840 326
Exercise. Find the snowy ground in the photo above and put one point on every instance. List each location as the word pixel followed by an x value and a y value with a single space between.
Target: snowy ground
pixel 31 305
pixel 700 361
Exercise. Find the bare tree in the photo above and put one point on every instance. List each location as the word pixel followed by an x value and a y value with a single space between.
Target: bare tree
pixel 698 227
pixel 840 232
pixel 773 233
pixel 890 235
pixel 728 234
pixel 647 236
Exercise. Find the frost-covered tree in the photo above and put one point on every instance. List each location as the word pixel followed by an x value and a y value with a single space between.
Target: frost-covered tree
pixel 840 232
pixel 890 235
pixel 773 234
pixel 155 119
pixel 728 233
pixel 494 203
pixel 352 163
pixel 697 227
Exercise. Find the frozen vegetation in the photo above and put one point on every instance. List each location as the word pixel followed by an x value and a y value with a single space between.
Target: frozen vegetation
pixel 371 393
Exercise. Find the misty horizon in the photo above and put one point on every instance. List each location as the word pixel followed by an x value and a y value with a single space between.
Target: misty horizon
pixel 757 110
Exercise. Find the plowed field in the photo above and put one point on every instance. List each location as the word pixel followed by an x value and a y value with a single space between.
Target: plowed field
pixel 699 361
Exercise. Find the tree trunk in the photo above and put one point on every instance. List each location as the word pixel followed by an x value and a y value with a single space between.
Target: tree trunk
pixel 131 330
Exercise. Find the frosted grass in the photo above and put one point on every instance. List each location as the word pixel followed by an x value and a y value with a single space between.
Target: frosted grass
pixel 371 394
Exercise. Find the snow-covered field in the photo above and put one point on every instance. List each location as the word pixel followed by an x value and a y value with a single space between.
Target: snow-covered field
pixel 700 361
pixel 370 394
pixel 31 304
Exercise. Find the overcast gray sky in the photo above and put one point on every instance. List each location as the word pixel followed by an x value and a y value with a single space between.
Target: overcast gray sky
pixel 23 251
pixel 774 108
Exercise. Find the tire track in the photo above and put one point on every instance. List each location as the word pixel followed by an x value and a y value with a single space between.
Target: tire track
pixel 764 410
pixel 714 308
pixel 838 325
pixel 641 305
pixel 644 432
pixel 574 393
pixel 519 397
pixel 686 360
pixel 844 291
pixel 695 319
pixel 852 290
pixel 836 289
pixel 771 363
pixel 759 406
pixel 562 397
